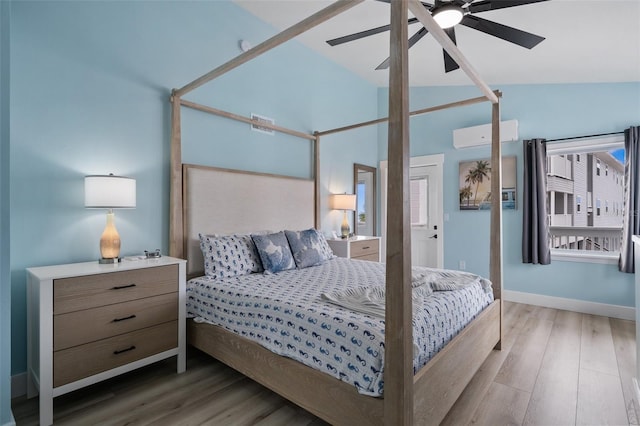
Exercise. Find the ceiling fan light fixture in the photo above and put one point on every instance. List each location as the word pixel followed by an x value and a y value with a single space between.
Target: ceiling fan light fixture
pixel 448 15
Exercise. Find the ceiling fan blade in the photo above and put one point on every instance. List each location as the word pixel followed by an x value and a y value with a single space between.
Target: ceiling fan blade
pixel 510 34
pixel 483 6
pixel 363 34
pixel 413 40
pixel 449 63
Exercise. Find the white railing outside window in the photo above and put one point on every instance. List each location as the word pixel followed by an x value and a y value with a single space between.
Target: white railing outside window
pixel 589 241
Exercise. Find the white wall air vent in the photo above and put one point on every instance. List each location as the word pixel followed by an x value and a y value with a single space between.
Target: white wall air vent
pixel 481 135
pixel 260 119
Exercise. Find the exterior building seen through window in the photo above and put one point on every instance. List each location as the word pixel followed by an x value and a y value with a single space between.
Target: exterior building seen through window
pixel 579 197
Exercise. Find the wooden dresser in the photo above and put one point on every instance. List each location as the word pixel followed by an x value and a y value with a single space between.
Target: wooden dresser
pixel 358 247
pixel 87 322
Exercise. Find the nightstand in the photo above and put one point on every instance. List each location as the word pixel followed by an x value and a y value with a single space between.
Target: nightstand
pixel 88 322
pixel 358 247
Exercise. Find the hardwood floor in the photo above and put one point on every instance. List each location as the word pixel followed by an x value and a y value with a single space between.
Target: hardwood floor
pixel 556 368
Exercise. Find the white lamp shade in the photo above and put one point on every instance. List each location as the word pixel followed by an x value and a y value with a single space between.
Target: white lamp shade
pixel 343 201
pixel 110 192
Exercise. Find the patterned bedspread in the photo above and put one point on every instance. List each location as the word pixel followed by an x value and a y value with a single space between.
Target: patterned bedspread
pixel 285 313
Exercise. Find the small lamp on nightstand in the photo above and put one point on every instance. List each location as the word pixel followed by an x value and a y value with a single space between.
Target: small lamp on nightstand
pixel 344 202
pixel 109 192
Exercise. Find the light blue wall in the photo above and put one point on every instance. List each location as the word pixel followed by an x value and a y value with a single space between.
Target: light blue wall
pixel 5 283
pixel 549 111
pixel 90 85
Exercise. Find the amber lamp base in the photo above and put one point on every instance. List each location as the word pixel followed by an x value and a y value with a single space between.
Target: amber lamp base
pixel 110 241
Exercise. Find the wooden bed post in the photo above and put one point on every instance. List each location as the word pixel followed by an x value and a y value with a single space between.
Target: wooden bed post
pixel 316 178
pixel 495 253
pixel 176 231
pixel 398 367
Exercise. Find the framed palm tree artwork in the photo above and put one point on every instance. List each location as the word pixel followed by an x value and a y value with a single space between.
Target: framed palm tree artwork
pixel 475 184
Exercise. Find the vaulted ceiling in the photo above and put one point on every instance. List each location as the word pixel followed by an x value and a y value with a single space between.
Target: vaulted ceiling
pixel 586 41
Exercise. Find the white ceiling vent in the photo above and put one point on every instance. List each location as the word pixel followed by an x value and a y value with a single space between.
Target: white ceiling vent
pixel 481 135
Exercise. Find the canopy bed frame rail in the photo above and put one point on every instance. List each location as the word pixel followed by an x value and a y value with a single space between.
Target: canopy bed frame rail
pixel 407 397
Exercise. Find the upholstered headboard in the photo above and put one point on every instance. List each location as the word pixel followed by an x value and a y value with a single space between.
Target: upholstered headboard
pixel 223 201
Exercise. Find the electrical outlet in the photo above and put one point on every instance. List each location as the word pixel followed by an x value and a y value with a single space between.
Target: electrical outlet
pixel 462 265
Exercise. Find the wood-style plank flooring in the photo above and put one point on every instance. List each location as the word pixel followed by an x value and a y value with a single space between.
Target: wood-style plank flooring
pixel 556 368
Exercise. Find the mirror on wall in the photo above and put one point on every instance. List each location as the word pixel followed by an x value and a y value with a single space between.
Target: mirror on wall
pixel 364 186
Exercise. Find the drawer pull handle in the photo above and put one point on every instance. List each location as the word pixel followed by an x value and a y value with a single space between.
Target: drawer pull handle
pixel 120 287
pixel 123 319
pixel 124 350
pixel 366 248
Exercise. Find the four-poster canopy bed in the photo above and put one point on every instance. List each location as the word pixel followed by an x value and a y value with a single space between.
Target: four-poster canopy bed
pixel 424 397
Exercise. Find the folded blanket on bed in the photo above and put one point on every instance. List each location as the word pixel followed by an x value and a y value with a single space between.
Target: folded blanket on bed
pixel 446 280
pixel 371 300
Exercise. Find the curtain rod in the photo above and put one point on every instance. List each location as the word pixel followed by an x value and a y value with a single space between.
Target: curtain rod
pixel 582 137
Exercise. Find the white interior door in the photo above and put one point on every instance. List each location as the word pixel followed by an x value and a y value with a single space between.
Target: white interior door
pixel 425 221
pixel 426 232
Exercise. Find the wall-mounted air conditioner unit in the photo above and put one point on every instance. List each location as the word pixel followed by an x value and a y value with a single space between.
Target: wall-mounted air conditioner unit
pixel 481 135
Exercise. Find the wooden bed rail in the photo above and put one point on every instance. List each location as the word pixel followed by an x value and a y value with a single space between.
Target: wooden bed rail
pixel 464 102
pixel 247 120
pixel 312 21
pixel 418 9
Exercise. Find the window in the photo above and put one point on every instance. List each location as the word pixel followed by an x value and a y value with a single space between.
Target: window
pixel 585 213
pixel 419 200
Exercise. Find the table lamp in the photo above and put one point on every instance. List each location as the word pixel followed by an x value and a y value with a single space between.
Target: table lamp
pixel 344 202
pixel 109 192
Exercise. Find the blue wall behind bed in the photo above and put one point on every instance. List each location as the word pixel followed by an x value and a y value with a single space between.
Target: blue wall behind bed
pixel 548 111
pixel 90 88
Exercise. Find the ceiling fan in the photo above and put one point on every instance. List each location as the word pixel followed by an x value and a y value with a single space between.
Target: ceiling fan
pixel 448 14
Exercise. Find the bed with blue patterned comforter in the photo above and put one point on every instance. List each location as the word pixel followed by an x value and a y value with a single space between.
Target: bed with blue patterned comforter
pixel 287 313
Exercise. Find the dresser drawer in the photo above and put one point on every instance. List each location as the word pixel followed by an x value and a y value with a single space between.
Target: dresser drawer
pixel 373 257
pixel 86 360
pixel 90 291
pixel 79 327
pixel 364 248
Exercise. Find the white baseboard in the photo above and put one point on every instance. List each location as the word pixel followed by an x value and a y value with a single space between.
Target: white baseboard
pixel 18 385
pixel 582 306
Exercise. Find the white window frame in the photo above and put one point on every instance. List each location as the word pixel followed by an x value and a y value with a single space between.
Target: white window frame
pixel 602 143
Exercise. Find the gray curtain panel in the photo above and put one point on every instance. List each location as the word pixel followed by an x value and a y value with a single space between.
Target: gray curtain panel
pixel 535 228
pixel 631 219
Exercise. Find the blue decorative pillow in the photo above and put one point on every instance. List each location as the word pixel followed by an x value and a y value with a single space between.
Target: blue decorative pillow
pixel 274 252
pixel 229 256
pixel 309 247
